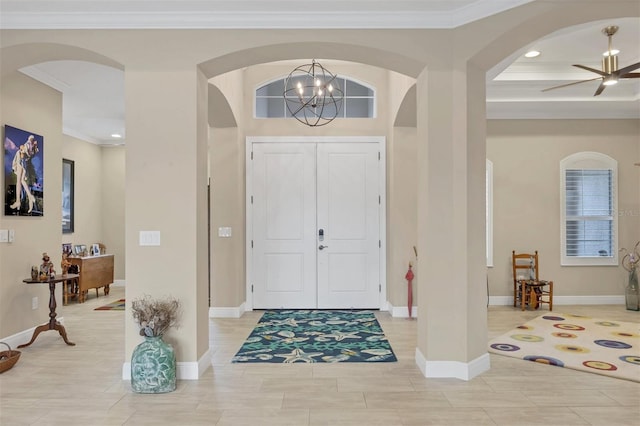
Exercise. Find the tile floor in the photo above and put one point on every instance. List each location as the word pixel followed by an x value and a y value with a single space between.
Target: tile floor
pixel 56 384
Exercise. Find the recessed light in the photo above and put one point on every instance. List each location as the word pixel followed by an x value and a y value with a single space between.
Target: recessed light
pixel 611 52
pixel 116 135
pixel 532 54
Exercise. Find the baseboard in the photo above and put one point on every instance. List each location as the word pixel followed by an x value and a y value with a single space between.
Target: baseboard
pixel 453 369
pixel 402 311
pixel 565 300
pixel 119 283
pixel 23 337
pixel 231 312
pixel 184 370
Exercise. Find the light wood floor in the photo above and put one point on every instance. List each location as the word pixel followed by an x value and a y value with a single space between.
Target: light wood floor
pixel 56 384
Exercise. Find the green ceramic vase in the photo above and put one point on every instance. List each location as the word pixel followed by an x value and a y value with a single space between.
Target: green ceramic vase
pixel 153 366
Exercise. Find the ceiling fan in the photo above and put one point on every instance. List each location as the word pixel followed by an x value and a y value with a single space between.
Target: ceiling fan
pixel 610 73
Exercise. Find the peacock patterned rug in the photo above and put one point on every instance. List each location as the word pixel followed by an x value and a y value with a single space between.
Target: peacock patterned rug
pixel 289 336
pixel 610 348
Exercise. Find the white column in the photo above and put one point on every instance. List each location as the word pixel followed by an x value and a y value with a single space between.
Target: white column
pixel 166 179
pixel 452 325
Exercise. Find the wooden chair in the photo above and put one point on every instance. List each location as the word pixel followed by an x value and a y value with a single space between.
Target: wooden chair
pixel 528 288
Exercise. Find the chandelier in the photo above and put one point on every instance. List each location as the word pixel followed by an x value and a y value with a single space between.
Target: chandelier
pixel 312 94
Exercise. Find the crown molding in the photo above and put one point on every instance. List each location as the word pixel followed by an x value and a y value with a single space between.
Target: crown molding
pixel 136 14
pixel 37 73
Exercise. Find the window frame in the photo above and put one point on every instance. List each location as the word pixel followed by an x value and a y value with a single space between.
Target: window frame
pixel 589 161
pixel 489 212
pixel 283 78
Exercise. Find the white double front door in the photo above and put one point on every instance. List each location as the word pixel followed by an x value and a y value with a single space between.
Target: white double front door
pixel 315 225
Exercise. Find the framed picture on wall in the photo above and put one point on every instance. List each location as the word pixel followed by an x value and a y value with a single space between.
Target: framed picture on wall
pixel 67 195
pixel 23 172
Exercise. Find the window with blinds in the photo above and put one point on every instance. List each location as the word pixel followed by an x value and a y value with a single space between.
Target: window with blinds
pixel 358 101
pixel 589 206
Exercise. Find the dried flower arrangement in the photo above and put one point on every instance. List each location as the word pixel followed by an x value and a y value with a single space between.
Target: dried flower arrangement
pixel 155 316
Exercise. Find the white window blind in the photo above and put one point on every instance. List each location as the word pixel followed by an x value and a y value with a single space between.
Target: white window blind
pixel 589 217
pixel 589 222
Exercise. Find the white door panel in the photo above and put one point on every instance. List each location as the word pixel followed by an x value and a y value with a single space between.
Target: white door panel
pixel 284 258
pixel 348 212
pixel 298 189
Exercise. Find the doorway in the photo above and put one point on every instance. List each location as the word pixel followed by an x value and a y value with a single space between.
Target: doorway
pixel 315 221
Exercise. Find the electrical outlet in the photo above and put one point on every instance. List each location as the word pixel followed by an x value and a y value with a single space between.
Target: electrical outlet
pixel 34 302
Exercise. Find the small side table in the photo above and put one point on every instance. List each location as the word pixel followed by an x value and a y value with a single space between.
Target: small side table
pixel 52 324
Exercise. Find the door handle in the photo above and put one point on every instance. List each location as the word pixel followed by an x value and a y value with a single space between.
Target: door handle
pixel 322 247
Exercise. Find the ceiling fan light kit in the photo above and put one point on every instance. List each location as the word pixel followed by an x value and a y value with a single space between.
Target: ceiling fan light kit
pixel 610 73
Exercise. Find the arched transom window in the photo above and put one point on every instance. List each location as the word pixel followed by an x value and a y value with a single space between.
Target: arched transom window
pixel 359 100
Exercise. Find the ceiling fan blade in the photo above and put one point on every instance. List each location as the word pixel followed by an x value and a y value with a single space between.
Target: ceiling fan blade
pixel 570 84
pixel 628 69
pixel 631 75
pixel 602 73
pixel 600 89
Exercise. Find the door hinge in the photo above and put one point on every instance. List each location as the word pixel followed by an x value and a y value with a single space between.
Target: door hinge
pixel 252 155
pixel 252 199
pixel 251 243
pixel 379 288
pixel 251 288
pixel 379 244
pixel 379 199
pixel 378 155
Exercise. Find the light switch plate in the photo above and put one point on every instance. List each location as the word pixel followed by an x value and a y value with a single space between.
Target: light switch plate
pixel 224 232
pixel 4 235
pixel 149 238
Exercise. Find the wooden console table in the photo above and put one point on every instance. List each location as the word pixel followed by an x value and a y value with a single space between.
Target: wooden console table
pixel 95 272
pixel 52 324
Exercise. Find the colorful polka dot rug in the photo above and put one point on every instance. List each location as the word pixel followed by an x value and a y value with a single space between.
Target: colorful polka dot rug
pixel 610 348
pixel 310 336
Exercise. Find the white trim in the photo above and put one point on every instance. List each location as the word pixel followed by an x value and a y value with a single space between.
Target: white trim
pixel 589 160
pixel 382 144
pixel 119 283
pixel 489 207
pixel 22 337
pixel 402 311
pixel 184 370
pixel 566 300
pixel 454 369
pixel 227 312
pixel 175 14
pixel 344 77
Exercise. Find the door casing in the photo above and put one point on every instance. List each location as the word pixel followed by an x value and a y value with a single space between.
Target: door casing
pixel 251 140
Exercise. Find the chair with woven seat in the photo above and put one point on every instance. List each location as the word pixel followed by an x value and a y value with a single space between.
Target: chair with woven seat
pixel 528 289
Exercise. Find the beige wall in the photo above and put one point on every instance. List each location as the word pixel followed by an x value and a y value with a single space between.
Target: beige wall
pixel 402 218
pixel 99 203
pixel 88 211
pixel 99 197
pixel 33 235
pixel 227 209
pixel 526 158
pixel 227 158
pixel 163 77
pixel 112 205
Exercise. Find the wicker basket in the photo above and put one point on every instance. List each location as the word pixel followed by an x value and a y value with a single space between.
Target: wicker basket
pixel 8 358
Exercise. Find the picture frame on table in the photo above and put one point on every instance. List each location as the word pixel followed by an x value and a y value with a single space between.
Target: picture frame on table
pixel 67 248
pixel 79 249
pixel 95 250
